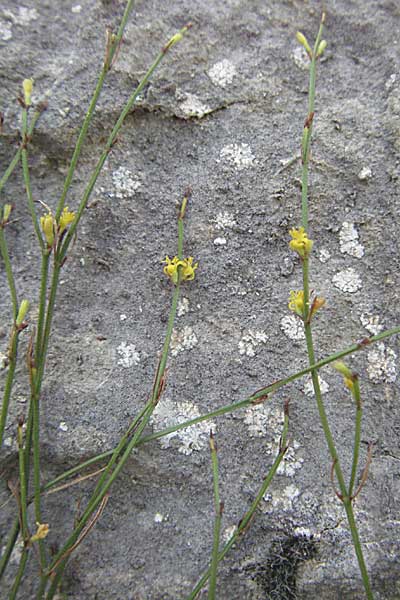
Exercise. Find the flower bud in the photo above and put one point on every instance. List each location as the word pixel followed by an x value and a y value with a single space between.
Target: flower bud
pixel 321 48
pixel 23 309
pixel 301 38
pixel 27 85
pixel 7 208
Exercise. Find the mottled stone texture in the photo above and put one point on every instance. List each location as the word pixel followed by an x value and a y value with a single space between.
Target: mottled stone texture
pixel 223 114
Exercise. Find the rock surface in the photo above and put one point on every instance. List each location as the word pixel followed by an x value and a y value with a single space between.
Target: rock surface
pixel 223 115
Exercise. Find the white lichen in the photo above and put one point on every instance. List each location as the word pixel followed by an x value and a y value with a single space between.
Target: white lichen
pixel 262 419
pixel 5 31
pixel 365 174
pixel 183 307
pixel 348 239
pixel 324 255
pixel 168 413
pixel 250 342
pixel 284 500
pixel 128 354
pixel 347 280
pixel 371 323
pixel 23 17
pixel 220 241
pixel 191 106
pixel 63 426
pixel 292 327
pixel 224 220
pixel 222 73
pixel 382 365
pixel 125 183
pixel 301 58
pixel 239 155
pixel 182 340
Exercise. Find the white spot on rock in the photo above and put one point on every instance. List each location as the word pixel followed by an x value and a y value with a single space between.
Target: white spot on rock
pixel 292 327
pixel 63 426
pixel 24 16
pixel 192 106
pixel 371 323
pixel 324 255
pixel 250 341
pixel 291 463
pixel 5 31
pixel 220 241
pixel 309 388
pixel 222 73
pixel 3 360
pixel 347 280
pixel 382 364
pixel 224 220
pixel 240 155
pixel 159 518
pixel 168 413
pixel 183 307
pixel 76 9
pixel 122 318
pixel 285 500
pixel 365 174
pixel 128 354
pixel 348 239
pixel 182 340
pixel 126 184
pixel 301 58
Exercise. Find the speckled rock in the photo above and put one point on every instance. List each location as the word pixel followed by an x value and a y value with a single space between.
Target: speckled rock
pixel 223 115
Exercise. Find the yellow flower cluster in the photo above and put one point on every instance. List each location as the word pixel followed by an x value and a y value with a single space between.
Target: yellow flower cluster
pixel 187 268
pixel 300 243
pixel 296 302
pixel 27 86
pixel 47 223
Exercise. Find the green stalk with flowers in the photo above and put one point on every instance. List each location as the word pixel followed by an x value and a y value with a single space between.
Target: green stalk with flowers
pixel 305 307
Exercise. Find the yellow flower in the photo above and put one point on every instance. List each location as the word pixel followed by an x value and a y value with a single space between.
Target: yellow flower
pixel 41 533
pixel 300 242
pixel 27 86
pixel 188 269
pixel 66 219
pixel 296 302
pixel 47 224
pixel 171 268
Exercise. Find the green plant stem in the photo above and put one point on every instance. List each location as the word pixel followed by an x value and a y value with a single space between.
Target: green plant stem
pixel 108 146
pixel 345 496
pixel 10 277
pixel 42 303
pixel 5 557
pixel 357 435
pixel 309 121
pixel 58 564
pixel 25 169
pixel 19 575
pixel 17 156
pixel 112 47
pixel 244 523
pixel 217 523
pixel 12 362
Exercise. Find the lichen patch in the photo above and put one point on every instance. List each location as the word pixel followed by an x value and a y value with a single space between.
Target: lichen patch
pixel 382 365
pixel 169 413
pixel 292 327
pixel 347 280
pixel 222 73
pixel 126 184
pixel 250 341
pixel 348 239
pixel 128 355
pixel 182 340
pixel 239 155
